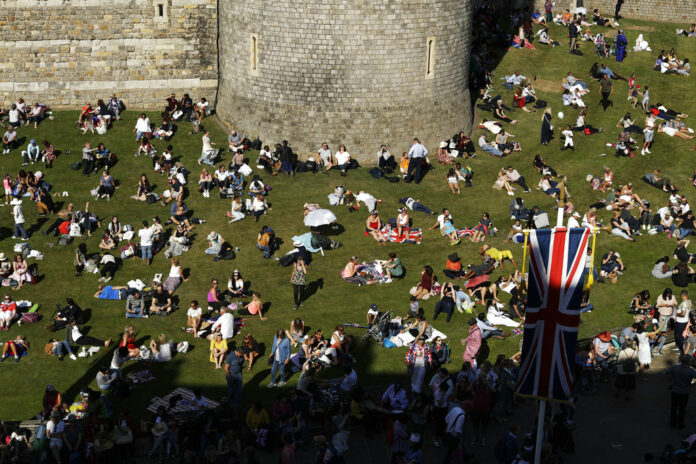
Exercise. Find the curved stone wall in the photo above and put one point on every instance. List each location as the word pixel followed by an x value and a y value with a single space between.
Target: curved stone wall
pixel 357 72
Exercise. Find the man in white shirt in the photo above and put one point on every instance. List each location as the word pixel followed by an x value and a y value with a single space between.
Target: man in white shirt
pixel 441 219
pixel 145 234
pixel 349 379
pixel 454 425
pixel 514 176
pixel 325 158
pixel 55 430
pixel 369 200
pixel 416 155
pixel 493 127
pixel 573 221
pixel 342 160
pixel 9 140
pixel 515 79
pixel 13 114
pixel 225 323
pixel 142 127
pixel 221 177
pixel 18 215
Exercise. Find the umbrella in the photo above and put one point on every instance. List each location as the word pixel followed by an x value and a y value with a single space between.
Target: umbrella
pixel 477 281
pixel 319 217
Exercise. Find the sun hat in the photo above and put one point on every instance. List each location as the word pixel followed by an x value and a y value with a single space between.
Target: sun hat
pixel 3 257
pixel 453 257
pixel 16 201
pixel 297 243
pixel 605 336
pixel 443 144
pixel 212 236
pixel 159 429
pixel 373 307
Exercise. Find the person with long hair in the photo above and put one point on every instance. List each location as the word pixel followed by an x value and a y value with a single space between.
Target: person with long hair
pixel 298 279
pixel 426 283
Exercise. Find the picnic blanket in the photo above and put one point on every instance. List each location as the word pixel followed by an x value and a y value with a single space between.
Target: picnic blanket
pixel 405 339
pixel 410 235
pixel 306 240
pixel 184 406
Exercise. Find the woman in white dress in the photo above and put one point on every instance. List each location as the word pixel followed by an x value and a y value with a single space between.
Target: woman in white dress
pixel 644 355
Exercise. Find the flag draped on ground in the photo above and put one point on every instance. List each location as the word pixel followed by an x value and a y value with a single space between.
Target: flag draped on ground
pixel 556 268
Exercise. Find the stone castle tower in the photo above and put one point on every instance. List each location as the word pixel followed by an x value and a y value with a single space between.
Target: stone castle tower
pixel 357 72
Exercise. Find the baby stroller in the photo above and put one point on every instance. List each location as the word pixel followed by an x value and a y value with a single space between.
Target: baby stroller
pixel 601 46
pixel 377 331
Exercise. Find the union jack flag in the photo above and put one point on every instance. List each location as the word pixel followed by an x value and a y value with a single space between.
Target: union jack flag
pixel 556 267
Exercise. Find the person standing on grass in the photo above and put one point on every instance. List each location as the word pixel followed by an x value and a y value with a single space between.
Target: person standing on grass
pixel 298 281
pixel 233 373
pixel 606 89
pixel 280 357
pixel 416 155
pixel 145 234
pixel 681 376
pixel 18 215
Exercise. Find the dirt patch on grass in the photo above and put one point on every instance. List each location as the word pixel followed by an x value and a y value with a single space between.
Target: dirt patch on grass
pixel 546 86
pixel 639 28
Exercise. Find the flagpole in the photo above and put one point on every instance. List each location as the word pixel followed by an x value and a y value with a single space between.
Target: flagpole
pixel 590 274
pixel 540 432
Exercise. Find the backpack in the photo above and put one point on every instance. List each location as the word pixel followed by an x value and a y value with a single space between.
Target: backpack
pixel 376 173
pixel 30 318
pixel 354 164
pixel 151 198
pixel 311 166
pixel 301 167
pixel 226 252
pixel 64 240
pixel 256 144
pixel 287 260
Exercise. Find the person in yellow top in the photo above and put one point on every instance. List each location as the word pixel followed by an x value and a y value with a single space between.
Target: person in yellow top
pixel 257 418
pixel 498 255
pixel 218 350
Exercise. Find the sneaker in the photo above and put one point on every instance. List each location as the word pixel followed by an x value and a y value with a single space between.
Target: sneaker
pixel 107 279
pixel 295 308
pixel 16 359
pixel 73 357
pixel 281 383
pixel 101 279
pixel 145 316
pixel 271 385
pixel 388 281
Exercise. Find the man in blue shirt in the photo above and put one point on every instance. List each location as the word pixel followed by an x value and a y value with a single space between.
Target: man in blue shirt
pixel 233 372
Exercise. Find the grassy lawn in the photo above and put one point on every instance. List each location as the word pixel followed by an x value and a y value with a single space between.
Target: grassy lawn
pixel 338 301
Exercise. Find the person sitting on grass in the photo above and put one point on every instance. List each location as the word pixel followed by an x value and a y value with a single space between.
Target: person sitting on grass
pixel 161 302
pixel 193 317
pixel 135 307
pixel 250 350
pixel 162 348
pixel 8 312
pixel 373 227
pixel 253 307
pixel 218 350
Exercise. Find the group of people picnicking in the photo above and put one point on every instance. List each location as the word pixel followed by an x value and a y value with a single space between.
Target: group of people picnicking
pixel 436 405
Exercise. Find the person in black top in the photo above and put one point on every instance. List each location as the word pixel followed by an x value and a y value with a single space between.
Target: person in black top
pixel 681 254
pixel 186 106
pixel 573 29
pixel 161 302
pixel 66 314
